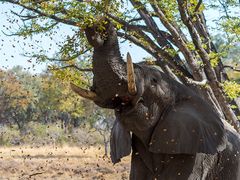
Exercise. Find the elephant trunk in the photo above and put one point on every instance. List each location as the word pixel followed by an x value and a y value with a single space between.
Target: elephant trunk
pixel 109 69
pixel 113 78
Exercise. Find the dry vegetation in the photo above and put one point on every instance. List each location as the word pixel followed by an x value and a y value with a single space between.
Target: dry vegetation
pixel 59 163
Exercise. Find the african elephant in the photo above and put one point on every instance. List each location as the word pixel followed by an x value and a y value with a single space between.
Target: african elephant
pixel 172 132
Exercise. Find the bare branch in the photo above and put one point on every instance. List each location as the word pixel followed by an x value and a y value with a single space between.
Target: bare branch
pixel 136 41
pixel 201 27
pixel 232 68
pixel 149 21
pixel 196 40
pixel 213 82
pixel 198 5
pixel 162 56
pixel 157 33
pixel 138 28
pixel 128 25
pixel 179 41
pixel 43 29
pixel 199 83
pixel 225 8
pixel 24 17
pixel 152 49
pixel 135 19
pixel 13 34
pixel 43 57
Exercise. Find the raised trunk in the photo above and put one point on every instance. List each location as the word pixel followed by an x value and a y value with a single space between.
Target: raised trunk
pixel 109 69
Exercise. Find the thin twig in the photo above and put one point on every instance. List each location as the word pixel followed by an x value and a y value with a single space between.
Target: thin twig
pixel 34 174
pixel 24 17
pixel 135 19
pixel 231 67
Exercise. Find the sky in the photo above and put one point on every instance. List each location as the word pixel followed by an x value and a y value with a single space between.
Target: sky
pixel 12 47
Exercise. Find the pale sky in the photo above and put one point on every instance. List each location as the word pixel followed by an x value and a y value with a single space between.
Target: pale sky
pixel 11 49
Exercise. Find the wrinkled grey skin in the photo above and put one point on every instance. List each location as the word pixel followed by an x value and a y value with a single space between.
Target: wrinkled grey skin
pixel 174 133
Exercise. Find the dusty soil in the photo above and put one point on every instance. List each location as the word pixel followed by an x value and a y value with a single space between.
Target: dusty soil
pixel 60 163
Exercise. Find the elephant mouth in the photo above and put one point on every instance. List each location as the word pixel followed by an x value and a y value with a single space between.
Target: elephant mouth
pixel 125 104
pixel 122 103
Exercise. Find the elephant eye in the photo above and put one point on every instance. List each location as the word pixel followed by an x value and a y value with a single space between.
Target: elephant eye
pixel 154 80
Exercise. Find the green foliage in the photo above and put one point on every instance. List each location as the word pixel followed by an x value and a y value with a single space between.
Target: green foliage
pixel 232 26
pixel 170 9
pixel 26 98
pixel 214 59
pixel 172 52
pixel 232 89
pixel 9 135
pixel 229 52
pixel 39 134
pixel 229 20
pixel 191 46
pixel 16 99
pixel 38 122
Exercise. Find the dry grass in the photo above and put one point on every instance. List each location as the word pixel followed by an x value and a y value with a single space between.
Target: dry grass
pixel 59 163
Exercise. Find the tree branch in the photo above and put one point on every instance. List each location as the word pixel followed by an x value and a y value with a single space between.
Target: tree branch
pixel 224 8
pixel 43 57
pixel 157 53
pixel 198 5
pixel 129 26
pixel 181 44
pixel 232 68
pixel 135 19
pixel 136 41
pixel 149 21
pixel 24 17
pixel 199 83
pixel 213 82
pixel 65 21
pixel 138 28
pixel 158 34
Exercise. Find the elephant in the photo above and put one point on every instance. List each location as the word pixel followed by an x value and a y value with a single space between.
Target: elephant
pixel 171 132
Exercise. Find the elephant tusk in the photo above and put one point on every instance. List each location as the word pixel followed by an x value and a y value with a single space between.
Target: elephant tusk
pixel 83 92
pixel 132 89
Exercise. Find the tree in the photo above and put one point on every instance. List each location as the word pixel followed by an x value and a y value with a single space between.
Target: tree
pixel 15 100
pixel 104 119
pixel 56 98
pixel 25 97
pixel 175 33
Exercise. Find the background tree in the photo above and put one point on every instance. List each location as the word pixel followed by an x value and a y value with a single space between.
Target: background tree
pixel 25 97
pixel 175 33
pixel 104 119
pixel 16 101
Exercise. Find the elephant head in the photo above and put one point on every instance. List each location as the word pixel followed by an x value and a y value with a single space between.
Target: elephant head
pixel 165 115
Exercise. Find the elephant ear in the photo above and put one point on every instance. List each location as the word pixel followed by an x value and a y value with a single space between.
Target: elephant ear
pixel 189 128
pixel 120 142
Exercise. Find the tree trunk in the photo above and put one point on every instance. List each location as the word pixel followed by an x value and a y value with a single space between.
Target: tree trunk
pixel 105 147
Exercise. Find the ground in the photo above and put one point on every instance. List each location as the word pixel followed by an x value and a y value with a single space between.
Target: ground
pixel 59 163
